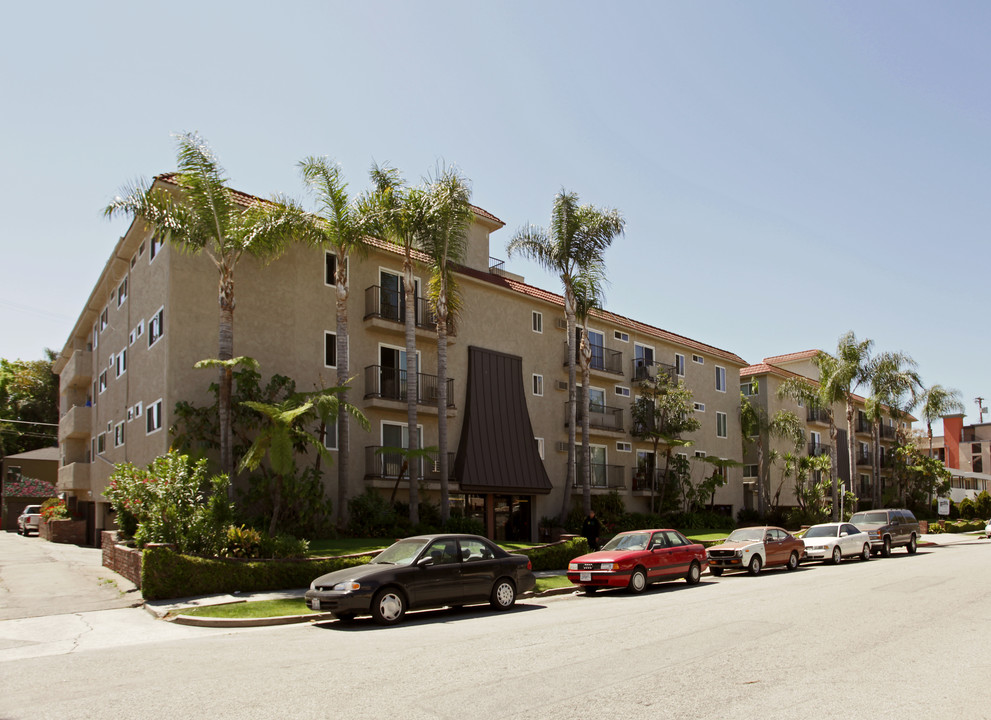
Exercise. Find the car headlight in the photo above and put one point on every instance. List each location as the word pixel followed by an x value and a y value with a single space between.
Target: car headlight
pixel 608 566
pixel 347 586
pixel 572 566
pixel 738 553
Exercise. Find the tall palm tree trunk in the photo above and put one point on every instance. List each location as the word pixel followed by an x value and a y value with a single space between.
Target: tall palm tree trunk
pixel 851 441
pixel 411 389
pixel 833 471
pixel 569 313
pixel 343 368
pixel 586 354
pixel 445 491
pixel 761 472
pixel 225 351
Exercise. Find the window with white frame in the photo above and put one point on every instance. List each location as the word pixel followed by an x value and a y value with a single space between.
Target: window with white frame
pixel 138 409
pixel 721 424
pixel 700 454
pixel 679 365
pixel 137 332
pixel 748 388
pixel 329 349
pixel 104 319
pixel 698 359
pixel 141 249
pixel 130 338
pixel 720 379
pixel 699 407
pixel 622 391
pixel 111 361
pixel 122 292
pixel 118 434
pixel 121 364
pixel 621 336
pixel 624 446
pixel 156 326
pixel 538 385
pixel 103 381
pixel 96 335
pixel 101 443
pixel 330 268
pixel 154 247
pixel 330 435
pixel 750 471
pixel 153 417
pixel 540 446
pixel 537 319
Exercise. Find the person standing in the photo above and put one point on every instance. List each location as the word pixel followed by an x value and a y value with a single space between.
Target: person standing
pixel 591 528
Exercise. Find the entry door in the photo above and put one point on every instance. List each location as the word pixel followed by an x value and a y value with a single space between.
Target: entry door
pixel 644 357
pixel 393 362
pixel 393 295
pixel 597 341
pixel 598 456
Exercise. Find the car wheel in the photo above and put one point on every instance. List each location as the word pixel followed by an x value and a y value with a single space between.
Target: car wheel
pixel 866 552
pixel 715 571
pixel 503 594
pixel 638 581
pixel 589 589
pixel 388 606
pixel 694 573
pixel 792 561
pixel 837 556
pixel 345 617
pixel 912 546
pixel 755 565
pixel 886 548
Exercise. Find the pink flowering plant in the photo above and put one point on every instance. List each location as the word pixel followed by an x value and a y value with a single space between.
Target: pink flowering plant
pixel 54 509
pixel 171 501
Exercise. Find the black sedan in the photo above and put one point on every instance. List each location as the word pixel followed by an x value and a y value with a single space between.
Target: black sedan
pixel 425 571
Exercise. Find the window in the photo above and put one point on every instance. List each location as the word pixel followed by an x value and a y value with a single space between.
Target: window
pixel 622 391
pixel 538 385
pixel 104 319
pixel 749 388
pixel 154 247
pixel 624 447
pixel 330 435
pixel 679 365
pixel 721 424
pixel 101 443
pixel 110 360
pixel 540 446
pixel 103 381
pixel 720 379
pixel 118 434
pixel 141 249
pixel 749 471
pixel 122 292
pixel 700 454
pixel 121 365
pixel 329 349
pixel 138 408
pixel 698 359
pixel 156 326
pixel 96 335
pixel 130 338
pixel 699 407
pixel 538 322
pixel 621 336
pixel 139 330
pixel 330 268
pixel 134 261
pixel 153 418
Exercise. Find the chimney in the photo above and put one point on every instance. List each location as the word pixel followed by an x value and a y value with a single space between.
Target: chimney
pixel 952 432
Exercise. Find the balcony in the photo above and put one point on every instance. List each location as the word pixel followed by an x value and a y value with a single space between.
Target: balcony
pixel 646 370
pixel 603 359
pixel 603 477
pixel 600 417
pixel 387 465
pixel 864 458
pixel 817 415
pixel 816 449
pixel 74 476
pixel 644 479
pixel 384 383
pixel 887 432
pixel 76 423
pixel 862 426
pixel 78 372
pixel 387 308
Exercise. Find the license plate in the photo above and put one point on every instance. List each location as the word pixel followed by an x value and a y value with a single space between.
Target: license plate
pixel 316 604
pixel 585 577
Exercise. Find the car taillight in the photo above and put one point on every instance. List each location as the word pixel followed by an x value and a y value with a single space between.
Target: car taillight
pixel 529 565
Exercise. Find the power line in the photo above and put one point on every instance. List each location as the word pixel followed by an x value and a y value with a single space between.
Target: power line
pixel 29 422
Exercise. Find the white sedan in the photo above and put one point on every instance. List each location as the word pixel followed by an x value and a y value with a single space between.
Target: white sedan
pixel 987 530
pixel 835 541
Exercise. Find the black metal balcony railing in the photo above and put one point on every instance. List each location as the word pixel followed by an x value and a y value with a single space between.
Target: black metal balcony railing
pixel 642 480
pixel 388 465
pixel 496 265
pixel 862 425
pixel 389 304
pixel 390 384
pixel 604 359
pixel 864 458
pixel 818 415
pixel 887 432
pixel 603 476
pixel 600 417
pixel 816 449
pixel 647 370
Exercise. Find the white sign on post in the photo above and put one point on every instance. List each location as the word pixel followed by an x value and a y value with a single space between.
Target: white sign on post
pixel 944 506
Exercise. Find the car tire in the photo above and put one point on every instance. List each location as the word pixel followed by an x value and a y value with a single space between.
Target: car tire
pixel 388 606
pixel 886 548
pixel 912 546
pixel 837 555
pixel 793 561
pixel 638 580
pixel 715 571
pixel 344 617
pixel 589 589
pixel 694 573
pixel 865 554
pixel 755 565
pixel 503 594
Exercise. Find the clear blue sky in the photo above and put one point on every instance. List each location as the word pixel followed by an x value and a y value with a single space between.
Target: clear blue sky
pixel 788 171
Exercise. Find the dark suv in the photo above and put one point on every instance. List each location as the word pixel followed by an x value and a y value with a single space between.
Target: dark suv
pixel 888 529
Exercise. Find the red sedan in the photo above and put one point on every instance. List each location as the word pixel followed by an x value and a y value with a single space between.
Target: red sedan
pixel 637 558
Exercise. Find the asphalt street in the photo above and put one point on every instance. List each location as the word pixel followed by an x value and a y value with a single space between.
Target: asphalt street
pixel 898 637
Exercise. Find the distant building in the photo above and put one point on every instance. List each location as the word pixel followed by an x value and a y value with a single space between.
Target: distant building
pixel 27 478
pixel 965 450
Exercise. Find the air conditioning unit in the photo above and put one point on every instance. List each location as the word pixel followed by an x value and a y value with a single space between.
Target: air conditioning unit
pixel 561 323
pixel 562 384
pixel 561 446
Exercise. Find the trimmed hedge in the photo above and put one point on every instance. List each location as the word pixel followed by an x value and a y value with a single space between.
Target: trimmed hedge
pixel 167 574
pixel 555 556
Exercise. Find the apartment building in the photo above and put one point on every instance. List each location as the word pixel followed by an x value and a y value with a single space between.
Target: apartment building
pixel 762 382
pixel 965 450
pixel 153 314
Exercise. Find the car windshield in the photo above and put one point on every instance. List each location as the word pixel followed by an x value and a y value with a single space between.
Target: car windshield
pixel 746 535
pixel 869 518
pixel 628 541
pixel 821 531
pixel 32 509
pixel 402 553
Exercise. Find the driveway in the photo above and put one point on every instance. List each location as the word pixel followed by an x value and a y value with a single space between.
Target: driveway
pixel 39 578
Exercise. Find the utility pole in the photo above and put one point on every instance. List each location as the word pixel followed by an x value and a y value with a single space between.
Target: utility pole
pixel 980 409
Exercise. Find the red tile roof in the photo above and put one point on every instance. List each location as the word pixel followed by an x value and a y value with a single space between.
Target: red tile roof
pixel 804 355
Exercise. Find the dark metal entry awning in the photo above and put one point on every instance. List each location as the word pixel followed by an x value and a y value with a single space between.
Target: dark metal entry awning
pixel 497 452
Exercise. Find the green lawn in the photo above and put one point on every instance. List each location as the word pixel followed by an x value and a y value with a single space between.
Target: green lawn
pixel 706 535
pixel 257 609
pixel 347 546
pixel 554 581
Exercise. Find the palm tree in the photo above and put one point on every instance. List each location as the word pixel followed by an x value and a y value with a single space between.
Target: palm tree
pixel 936 402
pixel 446 243
pixel 756 424
pixel 209 217
pixel 577 238
pixel 854 367
pixel 588 296
pixel 404 219
pixel 343 225
pixel 894 391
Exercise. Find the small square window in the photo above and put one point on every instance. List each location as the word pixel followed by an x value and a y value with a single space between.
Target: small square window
pixel 749 471
pixel 624 447
pixel 699 407
pixel 698 359
pixel 700 454
pixel 538 385
pixel 621 336
pixel 622 391
pixel 538 322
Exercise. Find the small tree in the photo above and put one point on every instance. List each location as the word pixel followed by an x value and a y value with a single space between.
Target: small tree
pixel 758 426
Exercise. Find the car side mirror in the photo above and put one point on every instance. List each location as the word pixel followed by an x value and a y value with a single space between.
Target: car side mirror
pixel 425 561
pixel 844 533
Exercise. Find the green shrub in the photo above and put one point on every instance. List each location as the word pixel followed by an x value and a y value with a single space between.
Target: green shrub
pixel 556 556
pixel 54 509
pixel 243 542
pixel 967 509
pixel 371 515
pixel 458 523
pixel 168 574
pixel 284 547
pixel 982 505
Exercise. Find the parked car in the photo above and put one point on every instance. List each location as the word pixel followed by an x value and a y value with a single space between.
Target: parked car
pixel 637 558
pixel 425 571
pixel 29 520
pixel 835 541
pixel 987 530
pixel 888 528
pixel 755 548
